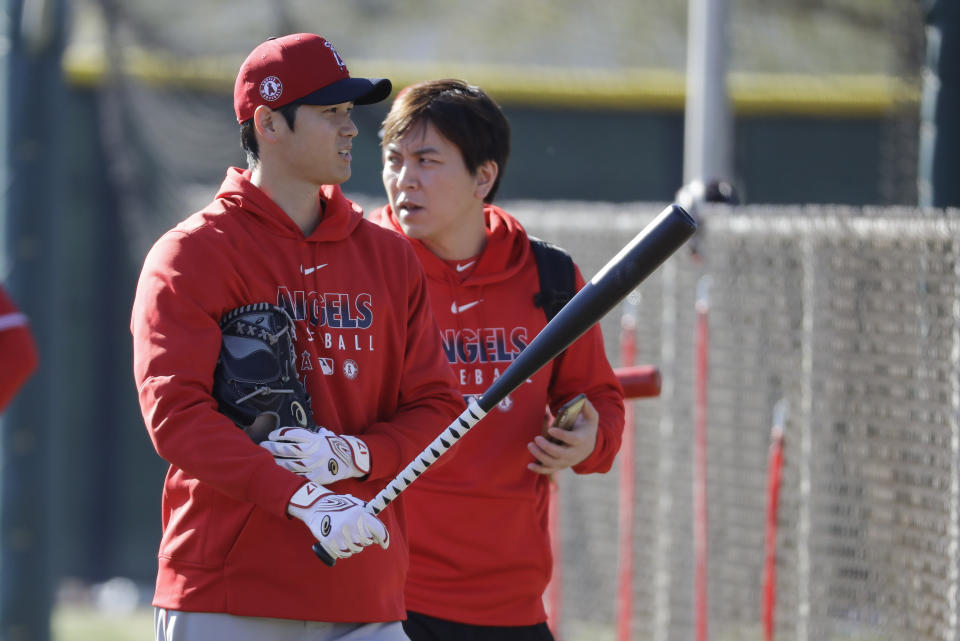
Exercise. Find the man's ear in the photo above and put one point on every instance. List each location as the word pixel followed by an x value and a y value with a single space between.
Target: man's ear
pixel 486 175
pixel 267 122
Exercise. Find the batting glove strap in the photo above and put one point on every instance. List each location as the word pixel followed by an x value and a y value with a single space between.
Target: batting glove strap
pixel 339 522
pixel 359 454
pixel 322 456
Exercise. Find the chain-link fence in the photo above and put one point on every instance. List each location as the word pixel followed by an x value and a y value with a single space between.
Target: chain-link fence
pixel 848 315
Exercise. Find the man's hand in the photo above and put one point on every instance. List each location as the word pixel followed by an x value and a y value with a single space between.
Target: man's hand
pixel 338 521
pixel 322 456
pixel 574 445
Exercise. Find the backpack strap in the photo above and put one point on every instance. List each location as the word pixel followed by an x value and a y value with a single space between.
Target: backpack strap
pixel 558 277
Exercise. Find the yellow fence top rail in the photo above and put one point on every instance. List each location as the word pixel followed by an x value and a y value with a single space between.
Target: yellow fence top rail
pixel 752 94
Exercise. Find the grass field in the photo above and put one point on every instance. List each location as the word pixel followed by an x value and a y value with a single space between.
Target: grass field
pixel 73 623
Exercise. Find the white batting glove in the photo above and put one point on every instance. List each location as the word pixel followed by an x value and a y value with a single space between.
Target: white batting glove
pixel 339 522
pixel 322 456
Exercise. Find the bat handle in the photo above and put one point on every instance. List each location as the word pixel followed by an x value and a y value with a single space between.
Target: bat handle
pixel 323 556
pixel 454 432
pixel 448 437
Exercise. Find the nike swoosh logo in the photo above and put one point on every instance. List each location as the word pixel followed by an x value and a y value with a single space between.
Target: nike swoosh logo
pixel 455 309
pixel 466 266
pixel 310 270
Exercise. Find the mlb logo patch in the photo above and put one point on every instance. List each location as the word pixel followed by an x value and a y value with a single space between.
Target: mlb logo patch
pixel 326 366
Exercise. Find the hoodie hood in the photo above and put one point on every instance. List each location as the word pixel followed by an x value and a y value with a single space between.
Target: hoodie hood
pixel 340 216
pixel 506 251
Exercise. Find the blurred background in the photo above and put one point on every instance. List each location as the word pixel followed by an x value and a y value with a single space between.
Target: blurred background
pixel 834 121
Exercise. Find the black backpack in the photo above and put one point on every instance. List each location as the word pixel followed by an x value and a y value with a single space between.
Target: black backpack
pixel 558 278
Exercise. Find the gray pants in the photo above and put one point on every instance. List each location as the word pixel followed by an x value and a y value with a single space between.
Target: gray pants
pixel 171 625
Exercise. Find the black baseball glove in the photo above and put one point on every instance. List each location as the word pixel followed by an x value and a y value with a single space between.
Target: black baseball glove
pixel 256 383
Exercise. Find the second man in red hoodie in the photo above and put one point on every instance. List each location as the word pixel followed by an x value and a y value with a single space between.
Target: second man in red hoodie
pixel 480 555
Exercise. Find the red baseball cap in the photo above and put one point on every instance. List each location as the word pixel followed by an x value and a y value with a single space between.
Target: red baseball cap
pixel 301 67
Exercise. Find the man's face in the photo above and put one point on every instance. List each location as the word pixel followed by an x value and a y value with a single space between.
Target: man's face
pixel 317 150
pixel 428 186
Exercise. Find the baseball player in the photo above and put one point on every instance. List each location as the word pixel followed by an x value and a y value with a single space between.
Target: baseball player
pixel 445 146
pixel 18 352
pixel 480 554
pixel 235 559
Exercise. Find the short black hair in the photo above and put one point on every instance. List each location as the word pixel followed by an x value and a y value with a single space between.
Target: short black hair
pixel 248 133
pixel 462 113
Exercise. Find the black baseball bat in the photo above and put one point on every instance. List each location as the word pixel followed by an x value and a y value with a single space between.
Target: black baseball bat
pixel 656 242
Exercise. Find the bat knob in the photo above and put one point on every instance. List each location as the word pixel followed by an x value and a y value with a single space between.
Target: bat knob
pixel 322 555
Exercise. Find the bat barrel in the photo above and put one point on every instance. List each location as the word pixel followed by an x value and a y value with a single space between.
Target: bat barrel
pixel 656 242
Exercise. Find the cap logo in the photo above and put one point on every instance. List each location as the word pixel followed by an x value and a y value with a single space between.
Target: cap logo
pixel 336 56
pixel 271 88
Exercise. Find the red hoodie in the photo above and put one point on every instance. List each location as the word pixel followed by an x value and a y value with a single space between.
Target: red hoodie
pixel 371 361
pixel 479 546
pixel 18 352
